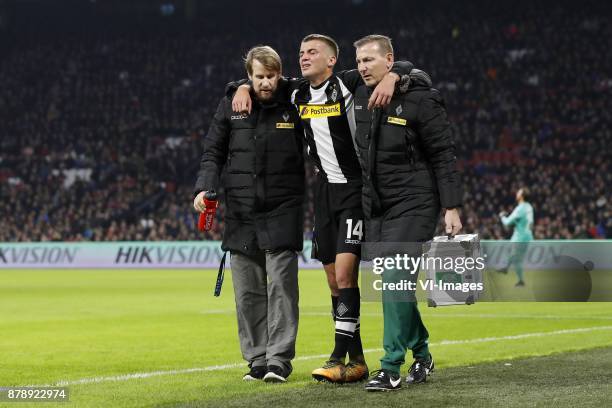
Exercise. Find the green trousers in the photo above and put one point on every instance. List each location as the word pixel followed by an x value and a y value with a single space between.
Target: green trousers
pixel 403 327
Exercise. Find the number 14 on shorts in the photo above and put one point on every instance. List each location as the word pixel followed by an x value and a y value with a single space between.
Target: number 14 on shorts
pixel 353 232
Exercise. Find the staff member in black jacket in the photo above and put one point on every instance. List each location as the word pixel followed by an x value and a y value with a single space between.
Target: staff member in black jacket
pixel 264 195
pixel 408 162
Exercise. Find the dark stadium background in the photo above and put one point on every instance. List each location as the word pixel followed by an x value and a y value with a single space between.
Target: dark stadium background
pixel 103 105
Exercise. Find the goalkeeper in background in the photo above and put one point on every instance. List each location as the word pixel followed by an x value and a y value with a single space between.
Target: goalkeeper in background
pixel 522 220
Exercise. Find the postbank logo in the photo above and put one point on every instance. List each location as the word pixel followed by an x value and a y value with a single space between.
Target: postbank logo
pixel 319 111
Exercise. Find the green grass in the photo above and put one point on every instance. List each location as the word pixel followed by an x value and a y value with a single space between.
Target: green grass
pixel 586 381
pixel 71 325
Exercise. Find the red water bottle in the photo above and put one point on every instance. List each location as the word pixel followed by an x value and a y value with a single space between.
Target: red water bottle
pixel 207 216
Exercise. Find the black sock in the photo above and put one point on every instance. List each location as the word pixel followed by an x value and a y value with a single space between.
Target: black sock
pixel 347 319
pixel 355 348
pixel 334 306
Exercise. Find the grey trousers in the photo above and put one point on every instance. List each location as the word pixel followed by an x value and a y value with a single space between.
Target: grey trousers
pixel 266 292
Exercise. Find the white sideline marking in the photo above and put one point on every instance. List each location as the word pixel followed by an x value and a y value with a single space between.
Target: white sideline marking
pixel 482 315
pixel 126 377
pixel 522 336
pixel 219 311
pixel 449 315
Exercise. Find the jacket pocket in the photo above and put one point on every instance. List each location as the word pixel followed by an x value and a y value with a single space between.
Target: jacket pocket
pixel 410 140
pixel 409 153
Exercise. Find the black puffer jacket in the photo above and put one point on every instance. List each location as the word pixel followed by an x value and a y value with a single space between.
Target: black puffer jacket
pixel 264 178
pixel 407 153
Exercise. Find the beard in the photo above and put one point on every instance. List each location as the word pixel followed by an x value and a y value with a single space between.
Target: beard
pixel 264 96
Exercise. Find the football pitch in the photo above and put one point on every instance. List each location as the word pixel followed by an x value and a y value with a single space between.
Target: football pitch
pixel 144 338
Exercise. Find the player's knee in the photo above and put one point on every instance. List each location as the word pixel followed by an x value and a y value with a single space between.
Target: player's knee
pixel 345 280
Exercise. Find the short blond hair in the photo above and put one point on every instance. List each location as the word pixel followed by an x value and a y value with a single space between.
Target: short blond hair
pixel 266 57
pixel 384 42
pixel 330 42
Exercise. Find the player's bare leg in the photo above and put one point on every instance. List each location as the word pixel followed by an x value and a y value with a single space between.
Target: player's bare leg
pixel 330 272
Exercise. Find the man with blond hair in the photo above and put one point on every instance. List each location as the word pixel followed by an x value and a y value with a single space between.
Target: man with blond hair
pixel 325 103
pixel 264 194
pixel 410 177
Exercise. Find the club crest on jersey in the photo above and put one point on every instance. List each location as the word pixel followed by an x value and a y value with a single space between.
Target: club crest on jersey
pixel 238 117
pixel 334 95
pixel 319 111
pixel 286 116
pixel 398 110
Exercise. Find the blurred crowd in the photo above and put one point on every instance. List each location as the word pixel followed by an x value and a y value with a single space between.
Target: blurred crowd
pixel 100 133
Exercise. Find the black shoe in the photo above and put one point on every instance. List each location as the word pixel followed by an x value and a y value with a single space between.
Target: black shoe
pixel 519 284
pixel 275 374
pixel 503 270
pixel 419 370
pixel 256 373
pixel 383 380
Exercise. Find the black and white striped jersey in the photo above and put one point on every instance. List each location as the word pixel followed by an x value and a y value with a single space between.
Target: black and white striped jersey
pixel 327 114
pixel 328 118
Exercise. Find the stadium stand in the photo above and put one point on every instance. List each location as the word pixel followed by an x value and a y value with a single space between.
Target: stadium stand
pixel 100 131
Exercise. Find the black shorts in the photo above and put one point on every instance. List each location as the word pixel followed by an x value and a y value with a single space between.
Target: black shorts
pixel 338 223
